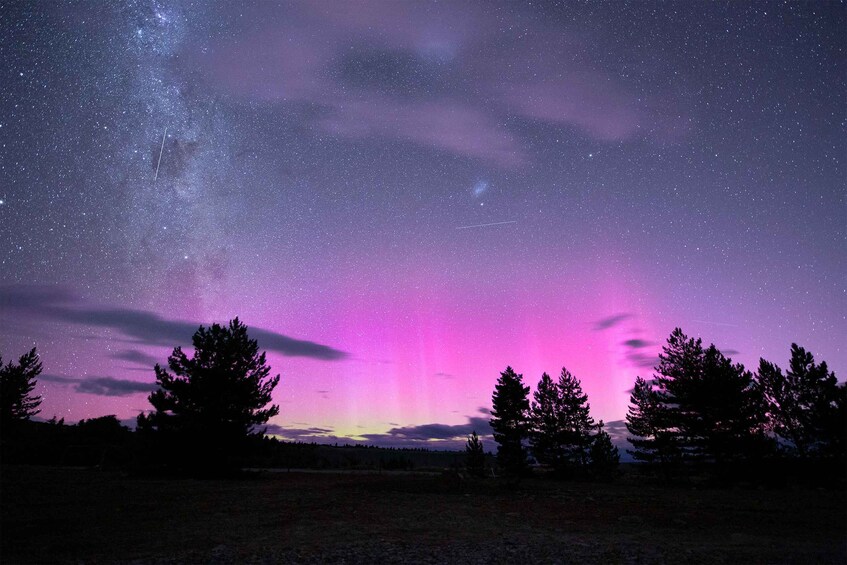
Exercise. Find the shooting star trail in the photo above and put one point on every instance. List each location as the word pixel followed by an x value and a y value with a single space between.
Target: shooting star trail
pixel 159 162
pixel 486 225
pixel 717 323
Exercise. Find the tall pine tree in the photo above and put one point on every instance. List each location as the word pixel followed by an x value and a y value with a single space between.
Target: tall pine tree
pixel 510 421
pixel 646 434
pixel 577 425
pixel 678 371
pixel 546 422
pixel 730 422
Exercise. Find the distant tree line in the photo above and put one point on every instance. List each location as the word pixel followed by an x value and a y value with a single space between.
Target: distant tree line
pixel 699 410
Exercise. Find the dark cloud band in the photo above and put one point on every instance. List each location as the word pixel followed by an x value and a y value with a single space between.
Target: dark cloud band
pixel 146 328
pixel 102 386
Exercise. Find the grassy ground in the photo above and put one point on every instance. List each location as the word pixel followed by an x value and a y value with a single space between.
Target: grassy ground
pixel 67 515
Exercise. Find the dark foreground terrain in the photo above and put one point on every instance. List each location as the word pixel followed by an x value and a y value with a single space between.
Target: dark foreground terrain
pixel 71 515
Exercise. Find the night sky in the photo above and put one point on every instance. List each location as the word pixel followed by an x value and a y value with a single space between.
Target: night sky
pixel 402 198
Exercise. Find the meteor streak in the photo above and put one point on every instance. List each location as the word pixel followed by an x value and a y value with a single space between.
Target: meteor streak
pixel 159 162
pixel 717 323
pixel 486 225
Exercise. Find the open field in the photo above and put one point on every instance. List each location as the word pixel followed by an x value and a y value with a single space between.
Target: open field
pixel 70 515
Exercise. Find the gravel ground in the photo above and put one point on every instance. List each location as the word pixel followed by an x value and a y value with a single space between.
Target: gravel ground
pixel 77 516
pixel 502 552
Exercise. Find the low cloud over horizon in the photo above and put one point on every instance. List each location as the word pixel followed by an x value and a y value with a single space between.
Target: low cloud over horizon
pixel 427 436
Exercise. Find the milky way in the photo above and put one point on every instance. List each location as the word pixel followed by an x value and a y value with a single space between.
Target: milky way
pixel 403 198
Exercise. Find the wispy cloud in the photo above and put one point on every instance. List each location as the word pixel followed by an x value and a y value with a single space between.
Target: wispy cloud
pixel 147 328
pixel 618 432
pixel 436 436
pixel 454 79
pixel 101 386
pixel 636 356
pixel 136 356
pixel 430 432
pixel 641 360
pixel 611 321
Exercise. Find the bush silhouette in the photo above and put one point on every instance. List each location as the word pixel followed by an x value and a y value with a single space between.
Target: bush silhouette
pixel 604 455
pixel 475 456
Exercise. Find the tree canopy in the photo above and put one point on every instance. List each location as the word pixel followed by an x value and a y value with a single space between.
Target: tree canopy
pixel 220 394
pixel 805 406
pixel 704 407
pixel 562 427
pixel 17 381
pixel 646 434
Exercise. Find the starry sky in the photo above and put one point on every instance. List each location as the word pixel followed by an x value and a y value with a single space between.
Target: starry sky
pixel 402 198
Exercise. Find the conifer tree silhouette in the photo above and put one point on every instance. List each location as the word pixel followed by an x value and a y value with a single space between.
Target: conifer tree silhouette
pixel 707 407
pixel 208 404
pixel 577 425
pixel 475 456
pixel 545 413
pixel 562 427
pixel 509 420
pixel 17 381
pixel 604 455
pixel 805 406
pixel 641 423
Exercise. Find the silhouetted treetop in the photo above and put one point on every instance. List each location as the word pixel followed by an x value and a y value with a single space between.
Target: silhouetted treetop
pixel 561 423
pixel 805 406
pixel 604 456
pixel 223 388
pixel 703 407
pixel 510 421
pixel 17 381
pixel 642 423
pixel 475 455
